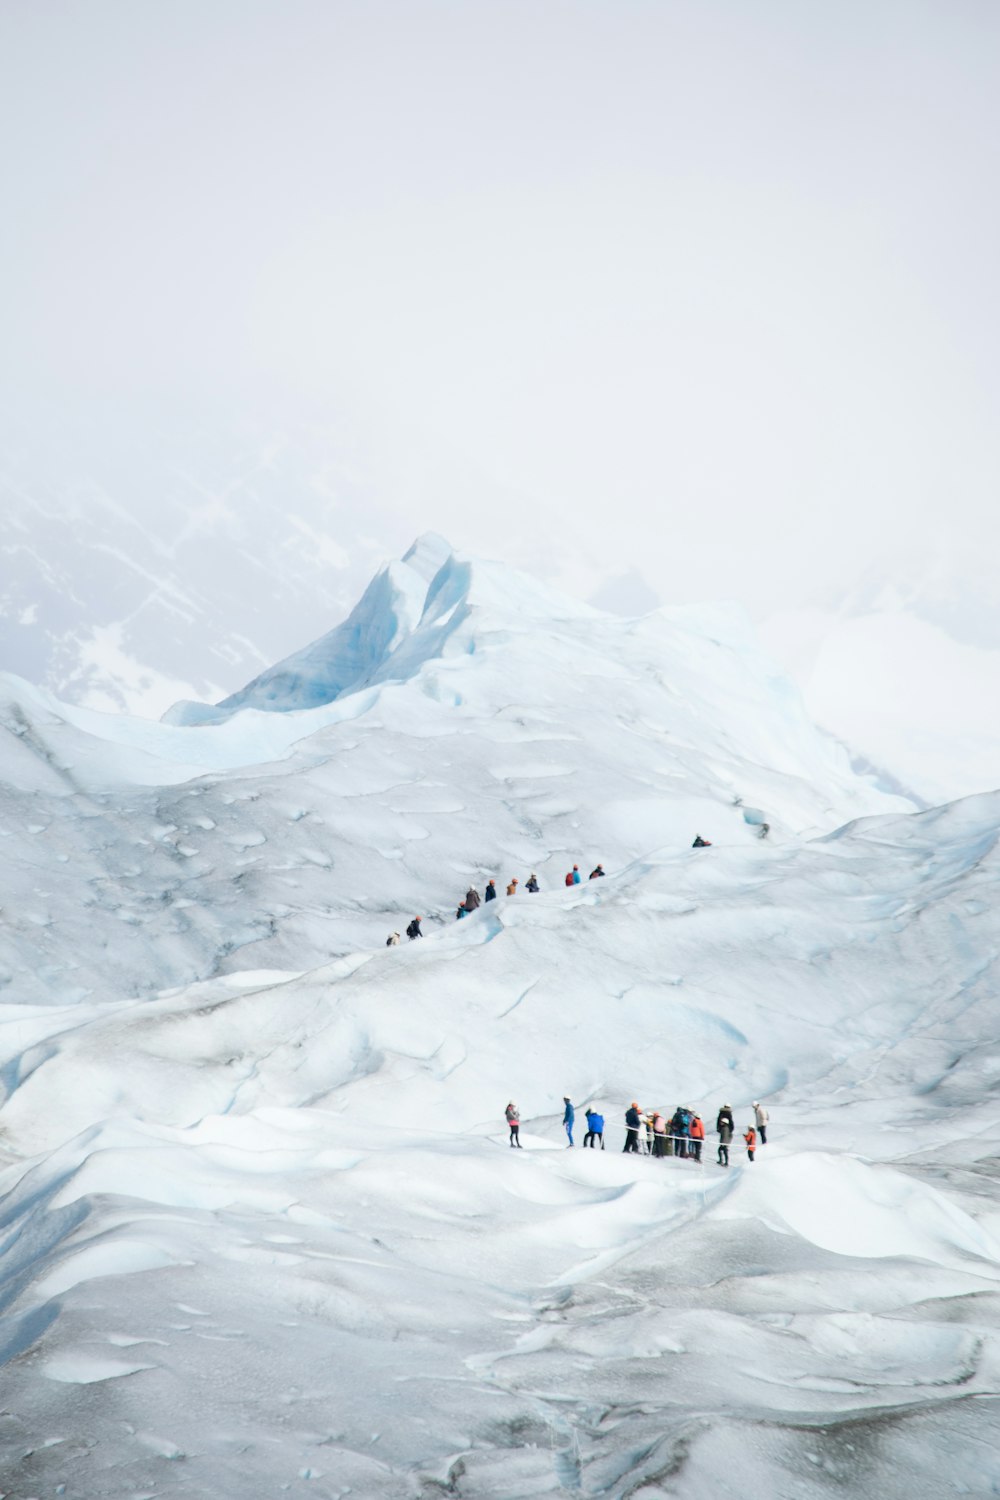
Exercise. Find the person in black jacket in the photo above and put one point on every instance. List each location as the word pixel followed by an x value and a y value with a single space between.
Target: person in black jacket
pixel 413 930
pixel 633 1119
pixel 532 883
pixel 700 843
pixel 491 890
pixel 598 873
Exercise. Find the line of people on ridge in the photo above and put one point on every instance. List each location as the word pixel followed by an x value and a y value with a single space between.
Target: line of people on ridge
pixel 473 900
pixel 682 1135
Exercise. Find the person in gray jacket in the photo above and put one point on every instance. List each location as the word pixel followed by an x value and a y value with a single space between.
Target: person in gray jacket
pixel 724 1125
pixel 471 899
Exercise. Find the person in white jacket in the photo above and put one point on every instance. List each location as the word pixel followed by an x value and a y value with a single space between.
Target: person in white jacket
pixel 761 1116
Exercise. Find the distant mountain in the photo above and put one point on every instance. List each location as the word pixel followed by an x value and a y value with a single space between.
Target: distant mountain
pixel 179 557
pixel 157 568
pixel 904 669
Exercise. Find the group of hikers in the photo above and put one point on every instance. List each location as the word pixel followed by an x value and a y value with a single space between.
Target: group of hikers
pixel 473 900
pixel 650 1132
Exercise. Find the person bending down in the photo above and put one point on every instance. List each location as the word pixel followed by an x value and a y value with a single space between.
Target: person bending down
pixel 595 1129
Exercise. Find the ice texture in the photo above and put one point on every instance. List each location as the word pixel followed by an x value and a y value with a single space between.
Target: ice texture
pixel 261 1230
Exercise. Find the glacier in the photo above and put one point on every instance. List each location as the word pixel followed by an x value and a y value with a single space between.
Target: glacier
pixel 261 1230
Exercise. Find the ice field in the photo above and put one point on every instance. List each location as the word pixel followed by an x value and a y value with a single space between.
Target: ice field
pixel 261 1233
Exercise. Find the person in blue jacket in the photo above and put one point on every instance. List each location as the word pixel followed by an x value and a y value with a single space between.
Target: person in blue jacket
pixel 680 1129
pixel 569 1115
pixel 595 1129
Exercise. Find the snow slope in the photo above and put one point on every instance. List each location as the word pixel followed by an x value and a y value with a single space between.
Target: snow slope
pixel 497 728
pixel 261 1232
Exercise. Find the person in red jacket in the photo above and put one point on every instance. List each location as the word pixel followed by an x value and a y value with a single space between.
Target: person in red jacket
pixel 750 1136
pixel 696 1134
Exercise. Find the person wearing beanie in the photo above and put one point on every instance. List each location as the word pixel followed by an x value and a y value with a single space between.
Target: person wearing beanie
pixel 569 1115
pixel 725 1126
pixel 697 1133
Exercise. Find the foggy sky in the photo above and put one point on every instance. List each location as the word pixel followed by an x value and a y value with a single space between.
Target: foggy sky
pixel 703 289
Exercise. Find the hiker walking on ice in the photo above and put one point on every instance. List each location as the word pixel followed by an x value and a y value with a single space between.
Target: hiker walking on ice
pixel 724 1125
pixel 413 930
pixel 761 1118
pixel 471 899
pixel 750 1136
pixel 513 1115
pixel 633 1120
pixel 569 1115
pixel 490 893
pixel 532 885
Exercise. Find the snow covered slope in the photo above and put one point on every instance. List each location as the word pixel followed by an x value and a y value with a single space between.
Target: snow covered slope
pixel 265 1235
pixel 260 1228
pixel 492 728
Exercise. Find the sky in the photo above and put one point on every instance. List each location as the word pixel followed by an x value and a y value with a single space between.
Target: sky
pixel 710 287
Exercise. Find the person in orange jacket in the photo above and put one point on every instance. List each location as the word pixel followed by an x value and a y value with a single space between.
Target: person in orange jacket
pixel 750 1136
pixel 696 1132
